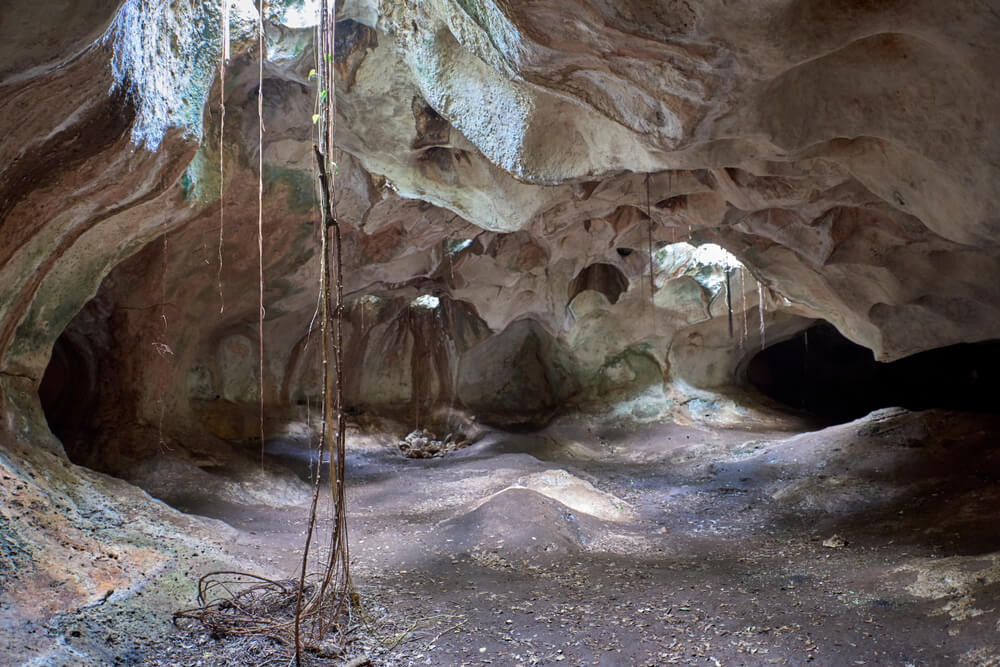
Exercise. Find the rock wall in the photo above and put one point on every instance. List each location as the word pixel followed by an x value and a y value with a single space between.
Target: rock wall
pixel 513 172
pixel 517 182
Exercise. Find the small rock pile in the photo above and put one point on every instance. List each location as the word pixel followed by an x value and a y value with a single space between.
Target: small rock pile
pixel 423 444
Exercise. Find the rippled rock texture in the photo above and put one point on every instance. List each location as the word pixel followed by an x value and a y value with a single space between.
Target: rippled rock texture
pixel 517 184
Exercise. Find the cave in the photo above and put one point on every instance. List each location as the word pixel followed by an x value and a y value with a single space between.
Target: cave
pixel 606 279
pixel 820 372
pixel 68 394
pixel 409 333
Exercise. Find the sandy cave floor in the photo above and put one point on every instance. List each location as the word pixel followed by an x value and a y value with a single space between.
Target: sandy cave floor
pixel 870 543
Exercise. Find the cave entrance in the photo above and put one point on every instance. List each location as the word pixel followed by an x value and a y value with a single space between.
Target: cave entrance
pixel 68 394
pixel 822 373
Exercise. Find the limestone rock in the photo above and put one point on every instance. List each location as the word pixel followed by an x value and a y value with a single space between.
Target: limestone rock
pixel 529 166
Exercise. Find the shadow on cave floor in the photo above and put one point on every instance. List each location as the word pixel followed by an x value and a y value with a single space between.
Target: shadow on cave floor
pixel 870 542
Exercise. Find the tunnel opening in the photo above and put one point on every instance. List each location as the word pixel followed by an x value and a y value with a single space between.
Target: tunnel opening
pixel 600 277
pixel 820 372
pixel 68 397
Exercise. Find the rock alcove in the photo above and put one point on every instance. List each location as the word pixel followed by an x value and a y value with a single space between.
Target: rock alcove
pixel 819 371
pixel 690 306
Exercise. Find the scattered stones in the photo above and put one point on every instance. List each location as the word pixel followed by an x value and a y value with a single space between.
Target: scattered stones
pixel 423 444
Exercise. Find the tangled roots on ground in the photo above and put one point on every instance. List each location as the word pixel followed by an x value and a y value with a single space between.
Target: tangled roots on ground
pixel 238 604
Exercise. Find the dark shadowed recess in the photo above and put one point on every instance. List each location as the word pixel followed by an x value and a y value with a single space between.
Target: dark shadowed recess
pixel 68 394
pixel 601 277
pixel 824 374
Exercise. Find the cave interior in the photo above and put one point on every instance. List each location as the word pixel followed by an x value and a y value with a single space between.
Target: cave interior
pixel 664 333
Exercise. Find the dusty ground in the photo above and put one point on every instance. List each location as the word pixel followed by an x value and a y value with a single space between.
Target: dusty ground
pixel 870 543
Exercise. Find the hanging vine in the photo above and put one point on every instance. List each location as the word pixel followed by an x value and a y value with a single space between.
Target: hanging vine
pixel 331 598
pixel 729 297
pixel 670 193
pixel 760 309
pixel 300 613
pixel 162 347
pixel 743 307
pixel 260 219
pixel 223 60
pixel 652 265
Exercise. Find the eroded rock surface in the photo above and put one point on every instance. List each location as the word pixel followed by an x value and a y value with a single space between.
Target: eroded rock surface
pixel 517 184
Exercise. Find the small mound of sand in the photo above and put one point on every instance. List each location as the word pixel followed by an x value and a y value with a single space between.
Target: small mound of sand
pixel 578 494
pixel 521 520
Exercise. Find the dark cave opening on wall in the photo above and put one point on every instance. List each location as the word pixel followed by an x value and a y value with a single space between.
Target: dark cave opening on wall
pixel 820 372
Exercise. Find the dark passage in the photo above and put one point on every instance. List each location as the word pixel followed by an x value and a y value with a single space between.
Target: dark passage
pixel 68 394
pixel 600 277
pixel 824 374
